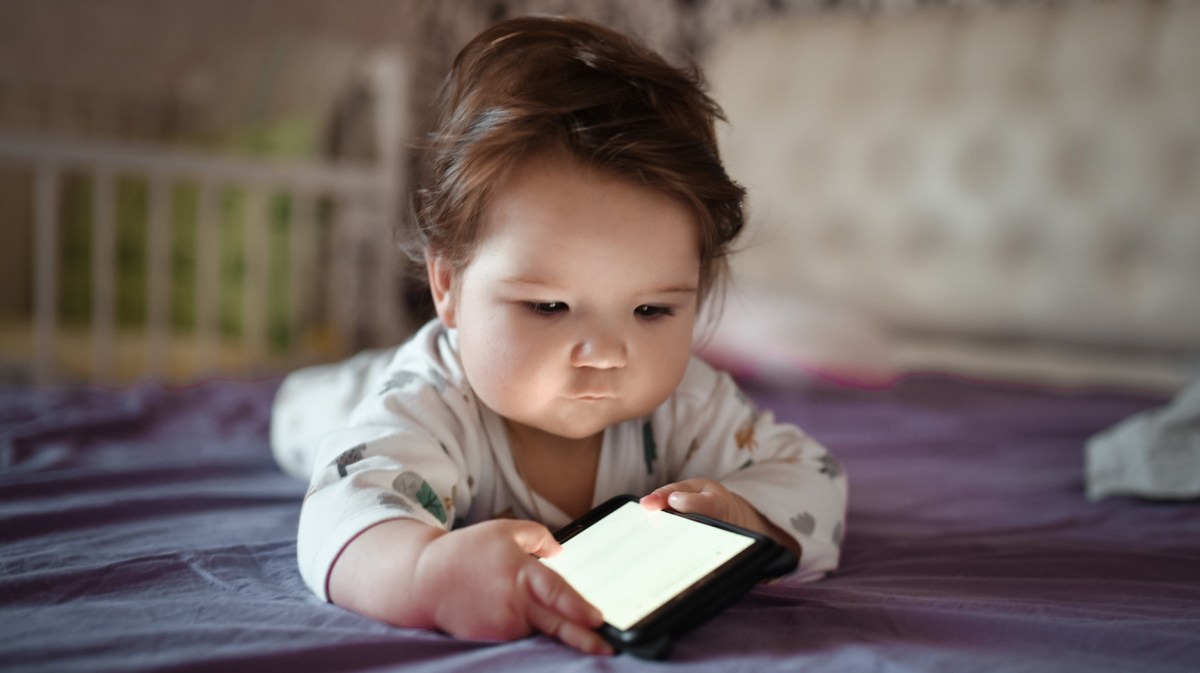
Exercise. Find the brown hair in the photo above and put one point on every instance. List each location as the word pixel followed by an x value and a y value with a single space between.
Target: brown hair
pixel 529 84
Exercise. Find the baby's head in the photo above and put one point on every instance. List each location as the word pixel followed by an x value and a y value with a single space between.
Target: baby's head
pixel 573 215
pixel 533 85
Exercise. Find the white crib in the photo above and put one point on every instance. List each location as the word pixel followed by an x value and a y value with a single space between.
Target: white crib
pixel 339 287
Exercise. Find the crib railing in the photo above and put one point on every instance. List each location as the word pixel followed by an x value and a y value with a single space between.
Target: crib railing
pixel 313 251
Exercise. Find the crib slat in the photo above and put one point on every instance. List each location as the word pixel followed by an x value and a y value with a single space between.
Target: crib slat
pixel 158 277
pixel 256 261
pixel 302 267
pixel 337 288
pixel 208 276
pixel 45 255
pixel 103 275
pixel 387 319
pixel 344 299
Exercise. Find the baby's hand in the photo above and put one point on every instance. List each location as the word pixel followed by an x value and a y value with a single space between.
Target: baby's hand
pixel 482 582
pixel 712 499
pixel 703 496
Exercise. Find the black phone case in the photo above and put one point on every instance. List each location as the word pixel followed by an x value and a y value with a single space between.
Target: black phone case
pixel 652 637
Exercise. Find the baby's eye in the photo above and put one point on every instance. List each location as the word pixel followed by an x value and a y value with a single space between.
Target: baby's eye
pixel 546 307
pixel 652 311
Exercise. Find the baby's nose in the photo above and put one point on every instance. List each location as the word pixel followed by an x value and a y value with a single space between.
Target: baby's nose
pixel 599 350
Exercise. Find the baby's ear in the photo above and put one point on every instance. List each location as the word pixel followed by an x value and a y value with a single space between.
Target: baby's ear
pixel 442 279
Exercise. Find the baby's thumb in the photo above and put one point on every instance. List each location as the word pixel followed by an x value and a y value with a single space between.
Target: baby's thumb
pixel 534 538
pixel 704 503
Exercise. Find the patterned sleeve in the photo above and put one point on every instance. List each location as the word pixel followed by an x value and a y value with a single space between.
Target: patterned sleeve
pixel 316 400
pixel 401 456
pixel 787 476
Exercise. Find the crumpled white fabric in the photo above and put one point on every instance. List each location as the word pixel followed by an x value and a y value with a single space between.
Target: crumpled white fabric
pixel 1154 454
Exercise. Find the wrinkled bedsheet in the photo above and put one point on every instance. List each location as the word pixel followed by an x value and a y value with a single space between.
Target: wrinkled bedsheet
pixel 148 529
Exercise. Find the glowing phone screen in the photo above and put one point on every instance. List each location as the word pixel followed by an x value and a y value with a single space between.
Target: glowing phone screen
pixel 633 561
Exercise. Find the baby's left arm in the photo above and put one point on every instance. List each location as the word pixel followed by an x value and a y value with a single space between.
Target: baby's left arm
pixel 726 458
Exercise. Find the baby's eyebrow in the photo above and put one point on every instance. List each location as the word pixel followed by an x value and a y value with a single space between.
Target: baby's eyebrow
pixel 547 285
pixel 531 282
pixel 676 289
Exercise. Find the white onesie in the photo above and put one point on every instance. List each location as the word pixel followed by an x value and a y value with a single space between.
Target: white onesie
pixel 399 433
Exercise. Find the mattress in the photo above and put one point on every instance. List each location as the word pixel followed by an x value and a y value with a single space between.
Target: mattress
pixel 147 529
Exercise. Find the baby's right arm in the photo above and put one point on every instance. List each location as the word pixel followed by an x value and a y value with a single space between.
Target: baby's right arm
pixel 480 582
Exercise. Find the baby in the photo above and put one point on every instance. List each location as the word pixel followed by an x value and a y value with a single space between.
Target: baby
pixel 573 217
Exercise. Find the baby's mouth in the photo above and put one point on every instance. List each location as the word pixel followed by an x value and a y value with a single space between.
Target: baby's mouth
pixel 591 396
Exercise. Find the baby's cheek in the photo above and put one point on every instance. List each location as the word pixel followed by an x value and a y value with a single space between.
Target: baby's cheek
pixel 671 362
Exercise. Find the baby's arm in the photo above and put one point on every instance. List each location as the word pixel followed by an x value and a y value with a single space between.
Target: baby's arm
pixel 475 582
pixel 724 457
pixel 711 498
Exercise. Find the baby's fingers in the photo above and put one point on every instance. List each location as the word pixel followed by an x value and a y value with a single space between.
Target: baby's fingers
pixel 659 497
pixel 558 610
pixel 550 590
pixel 533 538
pixel 707 503
pixel 553 624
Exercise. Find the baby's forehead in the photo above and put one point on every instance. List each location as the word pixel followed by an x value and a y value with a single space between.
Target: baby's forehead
pixel 540 180
pixel 560 227
pixel 556 200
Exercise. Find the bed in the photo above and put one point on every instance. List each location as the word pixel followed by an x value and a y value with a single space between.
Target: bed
pixel 1001 263
pixel 149 529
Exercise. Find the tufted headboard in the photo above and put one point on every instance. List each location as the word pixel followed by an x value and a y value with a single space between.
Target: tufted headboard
pixel 1021 174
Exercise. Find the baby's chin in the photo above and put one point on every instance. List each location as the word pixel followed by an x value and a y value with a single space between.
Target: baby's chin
pixel 587 430
pixel 578 426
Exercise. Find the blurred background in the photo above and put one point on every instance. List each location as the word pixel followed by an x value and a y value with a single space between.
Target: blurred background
pixel 994 188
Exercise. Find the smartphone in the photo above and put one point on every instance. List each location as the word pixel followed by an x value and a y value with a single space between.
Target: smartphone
pixel 655 575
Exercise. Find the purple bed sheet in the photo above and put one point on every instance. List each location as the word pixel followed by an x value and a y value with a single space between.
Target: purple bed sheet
pixel 148 529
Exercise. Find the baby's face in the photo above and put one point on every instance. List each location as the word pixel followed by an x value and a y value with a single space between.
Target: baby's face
pixel 576 311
